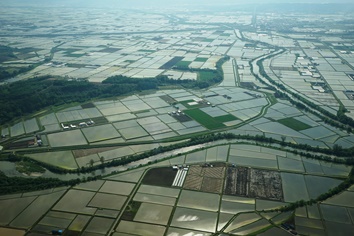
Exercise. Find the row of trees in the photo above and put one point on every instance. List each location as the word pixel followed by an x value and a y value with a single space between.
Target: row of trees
pixel 29 96
pixel 6 74
pixel 9 185
pixel 340 120
pixel 306 152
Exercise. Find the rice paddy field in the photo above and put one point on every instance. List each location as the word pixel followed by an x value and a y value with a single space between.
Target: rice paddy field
pixel 123 204
pixel 222 187
pixel 167 114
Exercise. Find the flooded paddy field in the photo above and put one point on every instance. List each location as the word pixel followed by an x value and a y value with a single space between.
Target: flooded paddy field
pixel 213 196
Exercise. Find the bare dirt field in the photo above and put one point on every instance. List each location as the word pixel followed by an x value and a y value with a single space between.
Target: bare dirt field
pixel 205 178
pixel 243 181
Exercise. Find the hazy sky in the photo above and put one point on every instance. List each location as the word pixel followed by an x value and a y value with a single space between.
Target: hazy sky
pixel 152 3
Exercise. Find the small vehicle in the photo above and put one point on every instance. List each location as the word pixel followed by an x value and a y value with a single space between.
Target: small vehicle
pixel 57 232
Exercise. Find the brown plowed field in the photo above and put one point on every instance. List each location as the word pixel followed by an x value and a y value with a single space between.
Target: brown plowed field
pixel 205 178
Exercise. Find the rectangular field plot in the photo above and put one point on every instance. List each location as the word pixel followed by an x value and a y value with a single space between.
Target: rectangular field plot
pixel 136 105
pixel 235 207
pixel 54 222
pixel 53 127
pixel 10 208
pixel 335 214
pixel 318 132
pixel 126 124
pixel 107 201
pixel 93 112
pixel 120 117
pixel 164 135
pixel 312 167
pixel 342 199
pixel 179 232
pixel 12 232
pixel 156 128
pixel 64 159
pixel 91 186
pixel 253 162
pixel 161 191
pixel 79 223
pixel 176 126
pixel 5 131
pixel 67 138
pixel 156 102
pixel 196 157
pixel 107 213
pixel 294 187
pixel 31 125
pixel 17 129
pixel 235 151
pixel 317 185
pixel 335 169
pixel 36 210
pixel 149 198
pixel 48 119
pixel 195 219
pixel 290 164
pixel 133 132
pixel 294 124
pixel 99 133
pixel 167 119
pixel 72 203
pixel 136 228
pixel 114 110
pixel 161 214
pixel 211 154
pixel 99 225
pixel 206 179
pixel 191 130
pixel 117 187
pixel 86 160
pixel 222 153
pixel 206 120
pixel 199 200
pixel 214 112
pixel 129 176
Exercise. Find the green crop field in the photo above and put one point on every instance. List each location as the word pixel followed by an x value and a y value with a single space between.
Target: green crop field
pixel 201 59
pixel 206 75
pixel 204 119
pixel 183 64
pixel 294 124
pixel 225 118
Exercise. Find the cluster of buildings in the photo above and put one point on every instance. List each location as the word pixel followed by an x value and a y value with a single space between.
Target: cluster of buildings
pixel 81 125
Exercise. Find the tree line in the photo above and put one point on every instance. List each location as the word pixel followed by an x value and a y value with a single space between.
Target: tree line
pixel 8 185
pixel 340 120
pixel 26 97
pixel 305 151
